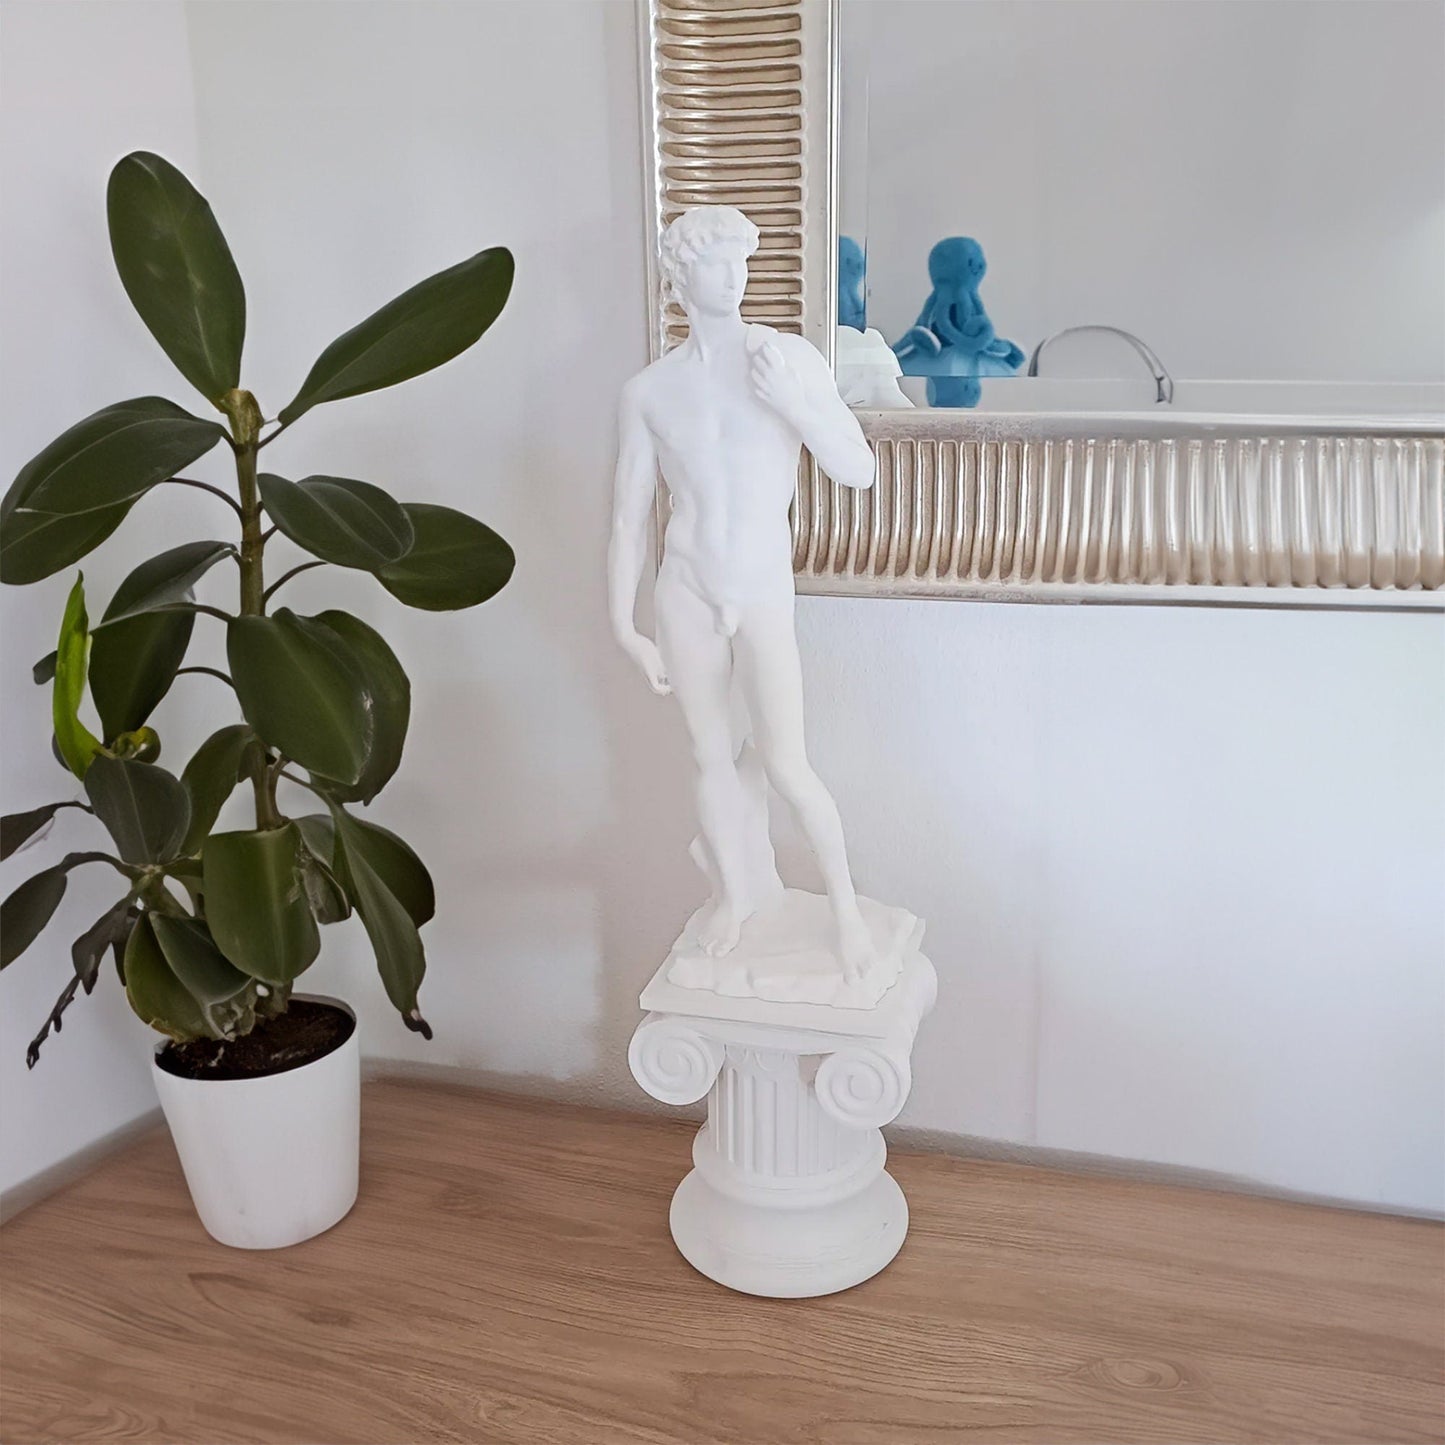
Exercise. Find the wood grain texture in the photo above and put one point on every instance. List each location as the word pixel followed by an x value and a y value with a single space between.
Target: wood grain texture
pixel 507 1276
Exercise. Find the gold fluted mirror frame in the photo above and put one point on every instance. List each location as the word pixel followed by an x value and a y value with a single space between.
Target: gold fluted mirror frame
pixel 740 109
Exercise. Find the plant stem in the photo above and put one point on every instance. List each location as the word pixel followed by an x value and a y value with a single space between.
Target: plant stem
pixel 301 782
pixel 245 416
pixel 287 576
pixel 273 778
pixel 157 897
pixel 74 860
pixel 204 487
pixel 253 586
pixel 209 672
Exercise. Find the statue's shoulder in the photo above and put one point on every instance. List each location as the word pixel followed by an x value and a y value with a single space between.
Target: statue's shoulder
pixel 638 389
pixel 646 382
pixel 797 348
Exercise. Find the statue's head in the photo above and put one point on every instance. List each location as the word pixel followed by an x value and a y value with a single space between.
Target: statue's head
pixel 956 262
pixel 705 258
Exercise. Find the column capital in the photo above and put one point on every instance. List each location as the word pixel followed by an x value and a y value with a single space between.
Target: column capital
pixel 672 1060
pixel 864 1085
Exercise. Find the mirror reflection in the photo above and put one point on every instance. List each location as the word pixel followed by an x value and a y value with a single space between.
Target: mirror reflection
pixel 1069 205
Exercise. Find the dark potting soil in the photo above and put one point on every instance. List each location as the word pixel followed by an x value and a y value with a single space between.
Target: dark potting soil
pixel 306 1032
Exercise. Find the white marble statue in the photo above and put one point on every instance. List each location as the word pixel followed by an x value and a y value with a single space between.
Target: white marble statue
pixel 868 371
pixel 725 415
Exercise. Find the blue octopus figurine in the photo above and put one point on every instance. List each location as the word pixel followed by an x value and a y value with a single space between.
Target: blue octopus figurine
pixel 852 308
pixel 953 342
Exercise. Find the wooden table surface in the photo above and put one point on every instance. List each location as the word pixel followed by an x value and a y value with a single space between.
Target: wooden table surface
pixel 507 1276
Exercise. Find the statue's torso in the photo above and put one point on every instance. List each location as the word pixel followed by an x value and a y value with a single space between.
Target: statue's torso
pixel 730 463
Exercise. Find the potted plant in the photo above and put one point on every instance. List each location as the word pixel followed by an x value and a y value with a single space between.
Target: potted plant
pixel 211 930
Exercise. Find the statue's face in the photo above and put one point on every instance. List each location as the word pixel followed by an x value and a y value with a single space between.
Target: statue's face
pixel 714 283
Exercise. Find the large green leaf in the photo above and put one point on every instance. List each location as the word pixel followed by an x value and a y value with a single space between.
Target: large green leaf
pixel 28 909
pixel 318 833
pixel 77 745
pixel 17 829
pixel 389 857
pixel 109 459
pixel 110 930
pixel 138 646
pixel 155 993
pixel 34 545
pixel 390 925
pixel 225 996
pixel 389 689
pixel 163 584
pixel 177 270
pixel 132 666
pixel 325 895
pixel 423 328
pixel 392 860
pixel 210 777
pixel 164 580
pixel 303 692
pixel 318 845
pixel 455 561
pixel 144 808
pixel 256 903
pixel 352 524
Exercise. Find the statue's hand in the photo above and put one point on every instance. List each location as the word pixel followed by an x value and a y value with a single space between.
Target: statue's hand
pixel 777 383
pixel 643 651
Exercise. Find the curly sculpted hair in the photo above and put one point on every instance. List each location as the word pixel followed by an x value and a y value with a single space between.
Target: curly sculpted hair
pixel 697 231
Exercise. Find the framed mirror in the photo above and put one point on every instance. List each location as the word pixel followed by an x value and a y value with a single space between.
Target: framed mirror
pixel 1212 233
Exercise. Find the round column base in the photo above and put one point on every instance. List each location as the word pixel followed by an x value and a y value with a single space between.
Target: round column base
pixel 788 1253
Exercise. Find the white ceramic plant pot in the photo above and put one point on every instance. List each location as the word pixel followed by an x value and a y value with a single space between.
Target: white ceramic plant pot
pixel 273 1160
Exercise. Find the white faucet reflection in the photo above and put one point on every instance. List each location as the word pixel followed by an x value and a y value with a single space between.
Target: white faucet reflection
pixel 1163 382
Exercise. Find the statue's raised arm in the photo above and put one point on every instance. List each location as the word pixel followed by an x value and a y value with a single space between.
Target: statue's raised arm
pixel 793 378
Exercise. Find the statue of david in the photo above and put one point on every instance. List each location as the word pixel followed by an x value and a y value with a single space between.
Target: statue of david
pixel 724 415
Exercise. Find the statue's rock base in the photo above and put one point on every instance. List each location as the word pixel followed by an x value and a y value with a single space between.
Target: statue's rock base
pixel 786 954
pixel 788 1196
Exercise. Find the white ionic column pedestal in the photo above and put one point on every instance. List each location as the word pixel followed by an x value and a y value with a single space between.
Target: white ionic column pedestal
pixel 788 1196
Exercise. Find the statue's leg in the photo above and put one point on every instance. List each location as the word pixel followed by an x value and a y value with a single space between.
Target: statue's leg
pixel 764 883
pixel 771 676
pixel 699 666
pixel 701 854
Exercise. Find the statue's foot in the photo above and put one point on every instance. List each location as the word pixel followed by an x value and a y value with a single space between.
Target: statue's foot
pixel 719 929
pixel 855 945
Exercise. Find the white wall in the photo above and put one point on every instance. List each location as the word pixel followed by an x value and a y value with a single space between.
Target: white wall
pixel 1257 190
pixel 80 84
pixel 1184 872
pixel 398 139
pixel 1181 869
